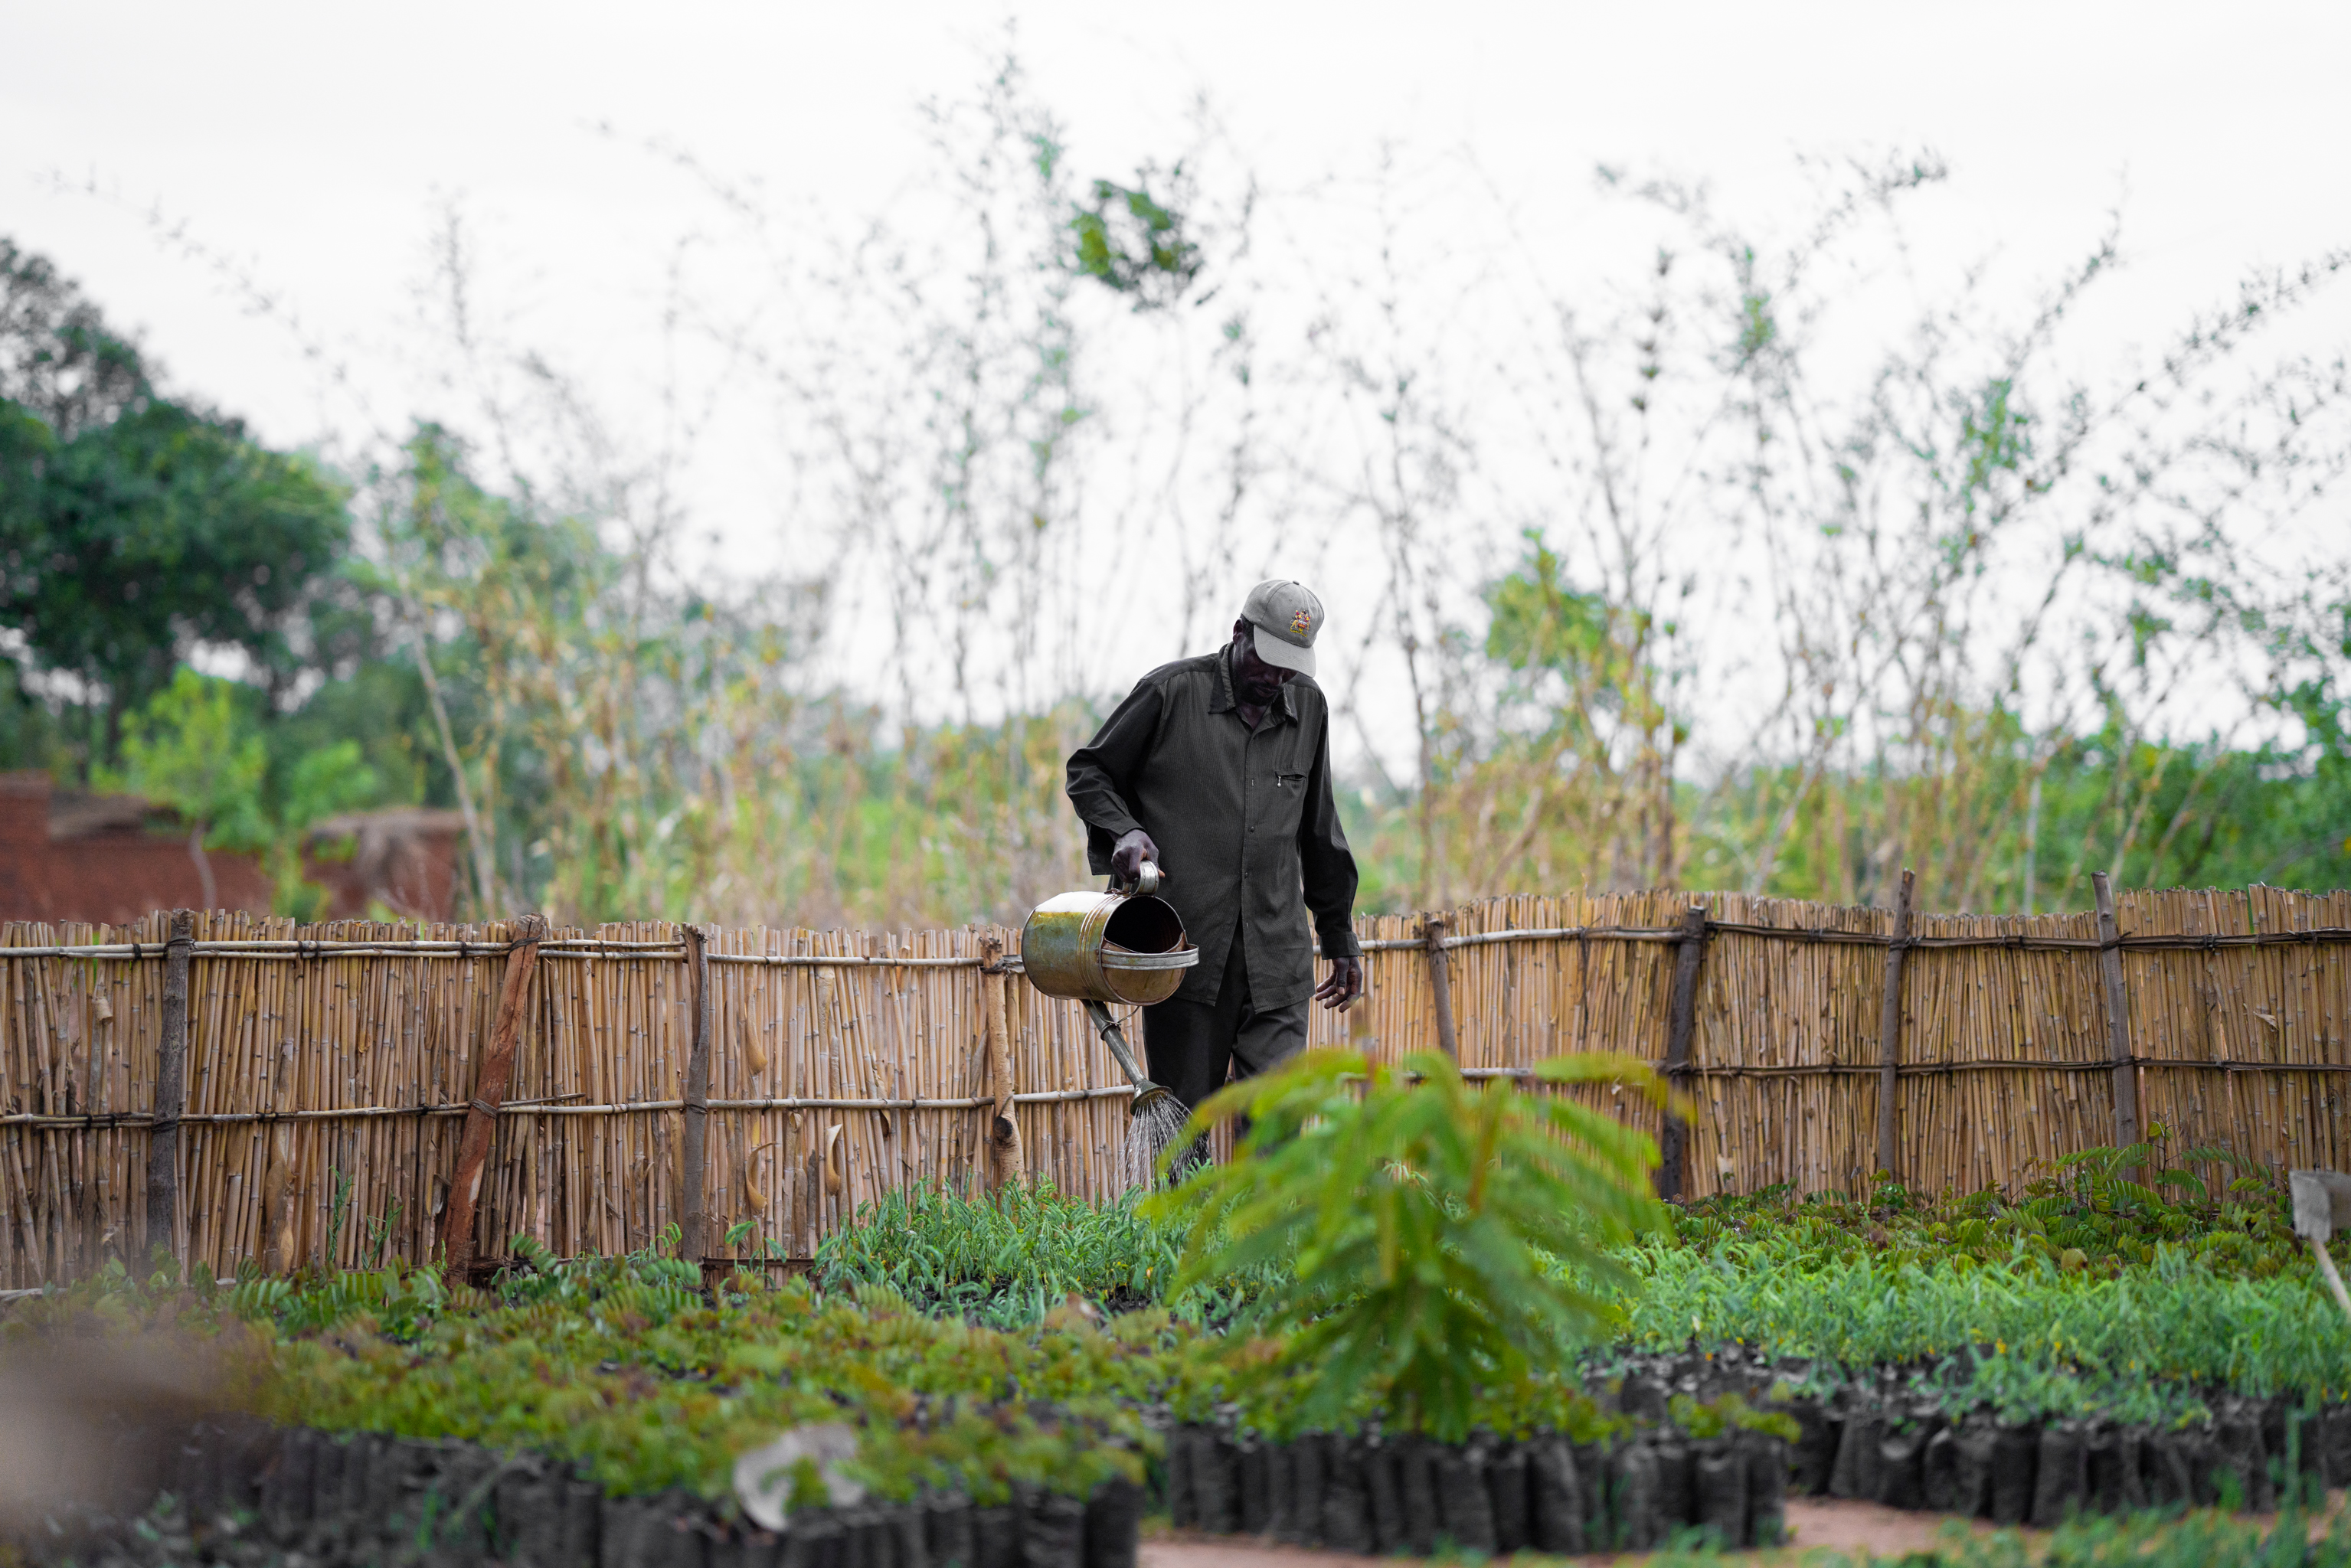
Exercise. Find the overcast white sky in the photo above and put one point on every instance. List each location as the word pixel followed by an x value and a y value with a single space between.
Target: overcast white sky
pixel 311 144
pixel 313 141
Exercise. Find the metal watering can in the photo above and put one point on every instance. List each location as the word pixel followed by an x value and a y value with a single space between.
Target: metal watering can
pixel 1123 945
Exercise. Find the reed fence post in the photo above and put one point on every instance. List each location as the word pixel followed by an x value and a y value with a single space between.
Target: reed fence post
pixel 1440 986
pixel 696 1144
pixel 489 1092
pixel 171 1092
pixel 1890 1026
pixel 1005 1159
pixel 1681 1023
pixel 2118 1046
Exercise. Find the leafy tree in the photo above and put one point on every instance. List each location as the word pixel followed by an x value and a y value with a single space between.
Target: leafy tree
pixel 197 748
pixel 190 751
pixel 1440 1236
pixel 134 526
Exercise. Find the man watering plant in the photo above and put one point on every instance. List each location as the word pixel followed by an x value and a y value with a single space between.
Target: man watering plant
pixel 1217 769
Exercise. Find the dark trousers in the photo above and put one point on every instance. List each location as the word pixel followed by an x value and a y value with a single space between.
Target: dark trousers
pixel 1193 1047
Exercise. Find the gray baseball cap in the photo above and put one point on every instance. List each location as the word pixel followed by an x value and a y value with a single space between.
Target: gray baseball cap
pixel 1287 617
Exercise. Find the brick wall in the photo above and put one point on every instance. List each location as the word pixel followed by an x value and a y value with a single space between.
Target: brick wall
pixel 108 873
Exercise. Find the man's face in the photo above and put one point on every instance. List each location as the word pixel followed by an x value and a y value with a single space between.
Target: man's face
pixel 1256 682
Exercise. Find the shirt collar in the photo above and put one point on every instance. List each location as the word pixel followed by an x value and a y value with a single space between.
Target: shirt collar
pixel 1225 701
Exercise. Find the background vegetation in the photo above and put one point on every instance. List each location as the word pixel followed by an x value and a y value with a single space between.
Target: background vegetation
pixel 1810 568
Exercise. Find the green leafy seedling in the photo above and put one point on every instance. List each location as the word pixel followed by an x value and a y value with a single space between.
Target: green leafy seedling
pixel 1440 1236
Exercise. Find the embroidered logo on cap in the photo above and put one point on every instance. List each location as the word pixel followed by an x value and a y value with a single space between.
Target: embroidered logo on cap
pixel 1300 622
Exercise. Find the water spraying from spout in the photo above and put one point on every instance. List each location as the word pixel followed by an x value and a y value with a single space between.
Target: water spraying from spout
pixel 1154 1119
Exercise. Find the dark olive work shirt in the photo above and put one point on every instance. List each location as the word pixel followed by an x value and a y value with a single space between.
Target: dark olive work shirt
pixel 1244 821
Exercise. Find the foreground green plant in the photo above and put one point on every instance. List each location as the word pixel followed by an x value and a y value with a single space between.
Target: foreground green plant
pixel 1426 1238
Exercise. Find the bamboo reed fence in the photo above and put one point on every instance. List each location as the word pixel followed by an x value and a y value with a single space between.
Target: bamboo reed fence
pixel 329 1076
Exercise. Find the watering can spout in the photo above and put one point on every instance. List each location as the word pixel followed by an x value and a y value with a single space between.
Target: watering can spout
pixel 1146 1092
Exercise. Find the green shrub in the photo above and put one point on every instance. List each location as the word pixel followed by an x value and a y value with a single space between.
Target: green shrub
pixel 1420 1239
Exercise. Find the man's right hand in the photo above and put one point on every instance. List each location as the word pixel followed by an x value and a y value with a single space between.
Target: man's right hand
pixel 1127 856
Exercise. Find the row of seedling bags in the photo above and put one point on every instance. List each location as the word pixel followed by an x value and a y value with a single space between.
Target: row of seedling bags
pixel 1880 1439
pixel 1372 1492
pixel 1913 1455
pixel 350 1498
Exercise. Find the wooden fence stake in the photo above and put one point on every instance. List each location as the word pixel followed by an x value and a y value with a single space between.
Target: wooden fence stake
pixel 1006 1162
pixel 696 1146
pixel 2118 1046
pixel 171 1093
pixel 489 1092
pixel 1680 1024
pixel 1440 988
pixel 1889 1028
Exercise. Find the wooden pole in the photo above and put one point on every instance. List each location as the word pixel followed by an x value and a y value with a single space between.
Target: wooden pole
pixel 1889 1028
pixel 1681 1023
pixel 1440 986
pixel 489 1092
pixel 171 1092
pixel 1006 1162
pixel 696 1147
pixel 2118 1046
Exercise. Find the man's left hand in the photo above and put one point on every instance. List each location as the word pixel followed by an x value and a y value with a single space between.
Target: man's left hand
pixel 1344 985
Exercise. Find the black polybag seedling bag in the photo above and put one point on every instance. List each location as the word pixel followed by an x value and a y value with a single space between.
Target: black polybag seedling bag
pixel 1677 1487
pixel 1859 1456
pixel 1281 1492
pixel 1213 1482
pixel 2014 1450
pixel 1817 1434
pixel 1306 1471
pixel 1718 1477
pixel 1346 1499
pixel 2060 1476
pixel 1640 1524
pixel 1597 1467
pixel 948 1532
pixel 2111 1468
pixel 1902 1467
pixel 1465 1509
pixel 1767 1489
pixel 1053 1531
pixel 1113 1516
pixel 1182 1510
pixel 1249 1473
pixel 996 1536
pixel 1505 1494
pixel 1416 1468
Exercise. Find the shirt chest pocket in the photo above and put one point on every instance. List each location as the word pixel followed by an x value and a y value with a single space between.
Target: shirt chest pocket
pixel 1284 802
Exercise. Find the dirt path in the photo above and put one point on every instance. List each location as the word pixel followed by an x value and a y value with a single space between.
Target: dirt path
pixel 1812 1522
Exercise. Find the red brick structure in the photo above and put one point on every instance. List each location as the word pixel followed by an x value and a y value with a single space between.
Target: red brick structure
pixel 111 859
pixel 108 859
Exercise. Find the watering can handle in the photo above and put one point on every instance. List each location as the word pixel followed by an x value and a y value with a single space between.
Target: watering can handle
pixel 1146 881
